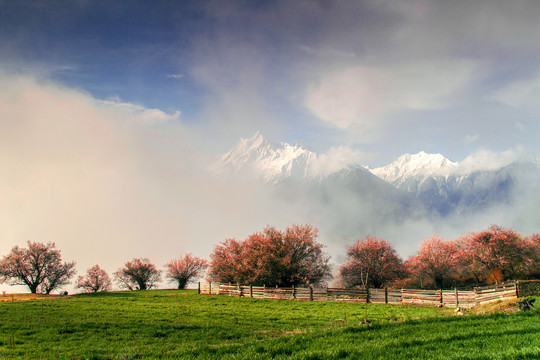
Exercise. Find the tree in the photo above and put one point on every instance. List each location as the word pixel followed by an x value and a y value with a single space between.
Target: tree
pixel 39 267
pixel 371 263
pixel 96 279
pixel 185 269
pixel 498 252
pixel 272 257
pixel 534 244
pixel 435 262
pixel 138 274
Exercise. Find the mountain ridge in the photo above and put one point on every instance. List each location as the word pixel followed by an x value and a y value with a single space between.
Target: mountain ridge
pixel 442 185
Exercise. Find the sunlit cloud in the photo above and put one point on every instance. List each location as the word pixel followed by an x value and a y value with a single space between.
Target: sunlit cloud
pixel 485 160
pixel 358 96
pixel 337 158
pixel 104 179
pixel 491 160
pixel 137 112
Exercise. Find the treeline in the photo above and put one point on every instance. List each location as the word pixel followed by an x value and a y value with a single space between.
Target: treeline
pixel 293 257
pixel 477 258
pixel 40 267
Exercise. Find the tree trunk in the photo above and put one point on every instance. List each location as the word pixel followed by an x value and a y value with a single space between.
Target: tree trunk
pixel 181 283
pixel 33 288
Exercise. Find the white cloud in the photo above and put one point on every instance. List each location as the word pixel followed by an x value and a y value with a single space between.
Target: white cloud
pixel 75 172
pixel 366 95
pixel 337 158
pixel 491 160
pixel 471 138
pixel 485 160
pixel 522 93
pixel 96 179
pixel 138 113
pixel 175 76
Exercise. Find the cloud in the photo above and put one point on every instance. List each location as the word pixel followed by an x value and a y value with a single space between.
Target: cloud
pixel 108 181
pixel 95 177
pixel 471 138
pixel 365 96
pixel 335 159
pixel 175 76
pixel 521 93
pixel 491 160
pixel 485 160
pixel 138 113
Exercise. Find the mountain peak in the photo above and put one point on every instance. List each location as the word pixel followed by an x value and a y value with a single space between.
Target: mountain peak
pixel 261 158
pixel 257 142
pixel 257 139
pixel 410 165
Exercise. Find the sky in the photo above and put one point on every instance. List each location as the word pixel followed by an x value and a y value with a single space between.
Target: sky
pixel 110 111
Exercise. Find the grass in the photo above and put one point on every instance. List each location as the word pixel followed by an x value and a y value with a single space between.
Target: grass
pixel 182 324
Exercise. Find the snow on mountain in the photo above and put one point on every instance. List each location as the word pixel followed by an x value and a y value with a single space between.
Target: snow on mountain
pixel 419 166
pixel 446 187
pixel 443 186
pixel 258 157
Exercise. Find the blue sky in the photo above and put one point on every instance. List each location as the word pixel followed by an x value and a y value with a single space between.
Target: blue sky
pixel 110 111
pixel 382 77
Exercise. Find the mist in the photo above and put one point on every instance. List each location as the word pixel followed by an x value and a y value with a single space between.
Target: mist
pixel 108 181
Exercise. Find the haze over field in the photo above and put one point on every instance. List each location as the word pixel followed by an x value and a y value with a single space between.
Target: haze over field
pixel 114 115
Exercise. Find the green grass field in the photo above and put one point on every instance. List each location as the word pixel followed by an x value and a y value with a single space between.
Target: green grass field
pixel 182 324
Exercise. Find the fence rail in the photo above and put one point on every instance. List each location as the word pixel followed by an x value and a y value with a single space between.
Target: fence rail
pixel 449 298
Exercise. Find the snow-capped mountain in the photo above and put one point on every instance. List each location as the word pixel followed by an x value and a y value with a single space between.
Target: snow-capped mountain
pixel 258 157
pixel 418 166
pixel 432 181
pixel 445 187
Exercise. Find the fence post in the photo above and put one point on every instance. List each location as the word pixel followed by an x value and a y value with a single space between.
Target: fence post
pixel 199 288
pixel 442 302
pixel 457 298
pixel 293 293
pixel 209 288
pixel 239 290
pixel 367 296
pixel 310 293
pixel 386 295
pixel 251 290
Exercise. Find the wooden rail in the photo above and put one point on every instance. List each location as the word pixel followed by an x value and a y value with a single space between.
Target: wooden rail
pixel 450 298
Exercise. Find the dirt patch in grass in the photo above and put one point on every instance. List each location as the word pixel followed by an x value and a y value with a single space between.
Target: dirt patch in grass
pixel 501 306
pixel 28 297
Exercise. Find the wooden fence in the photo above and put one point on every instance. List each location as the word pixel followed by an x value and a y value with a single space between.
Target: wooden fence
pixel 449 298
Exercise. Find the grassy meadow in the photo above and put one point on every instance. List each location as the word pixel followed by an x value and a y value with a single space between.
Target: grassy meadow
pixel 181 324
